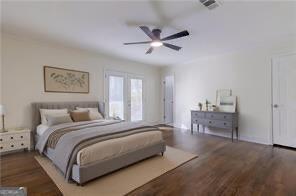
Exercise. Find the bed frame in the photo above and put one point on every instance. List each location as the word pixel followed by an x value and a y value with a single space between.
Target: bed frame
pixel 83 174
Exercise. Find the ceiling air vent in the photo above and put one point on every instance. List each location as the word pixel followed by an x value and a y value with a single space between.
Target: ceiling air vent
pixel 210 4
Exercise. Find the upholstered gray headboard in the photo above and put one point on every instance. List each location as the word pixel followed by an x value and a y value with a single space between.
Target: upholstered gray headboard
pixel 36 120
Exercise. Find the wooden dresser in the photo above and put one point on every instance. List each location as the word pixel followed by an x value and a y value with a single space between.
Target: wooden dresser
pixel 15 140
pixel 222 120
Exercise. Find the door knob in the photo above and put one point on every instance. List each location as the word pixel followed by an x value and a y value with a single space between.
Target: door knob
pixel 275 105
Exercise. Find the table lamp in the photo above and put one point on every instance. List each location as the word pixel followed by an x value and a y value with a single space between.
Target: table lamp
pixel 2 113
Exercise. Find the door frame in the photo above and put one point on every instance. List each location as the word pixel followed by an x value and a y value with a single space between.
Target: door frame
pixel 274 60
pixel 126 90
pixel 163 96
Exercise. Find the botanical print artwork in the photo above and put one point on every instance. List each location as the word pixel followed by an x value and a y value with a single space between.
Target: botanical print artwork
pixel 69 80
pixel 65 80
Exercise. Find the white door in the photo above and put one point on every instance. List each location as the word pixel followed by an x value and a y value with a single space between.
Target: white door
pixel 284 100
pixel 124 96
pixel 168 99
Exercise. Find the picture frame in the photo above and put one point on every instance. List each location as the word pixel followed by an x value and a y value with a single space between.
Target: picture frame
pixel 222 93
pixel 227 104
pixel 60 80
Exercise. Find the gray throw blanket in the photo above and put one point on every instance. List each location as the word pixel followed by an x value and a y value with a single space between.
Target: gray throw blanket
pixel 84 134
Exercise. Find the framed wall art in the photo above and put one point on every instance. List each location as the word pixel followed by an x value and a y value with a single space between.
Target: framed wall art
pixel 61 80
pixel 227 104
pixel 222 93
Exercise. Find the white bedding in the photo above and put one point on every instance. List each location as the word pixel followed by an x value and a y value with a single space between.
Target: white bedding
pixel 41 129
pixel 115 147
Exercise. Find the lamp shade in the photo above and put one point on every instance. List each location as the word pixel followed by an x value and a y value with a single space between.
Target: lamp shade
pixel 2 110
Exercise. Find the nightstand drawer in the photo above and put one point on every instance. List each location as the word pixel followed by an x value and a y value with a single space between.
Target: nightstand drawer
pixel 15 145
pixel 14 136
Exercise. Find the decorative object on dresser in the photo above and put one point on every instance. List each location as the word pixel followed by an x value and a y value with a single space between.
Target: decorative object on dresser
pixel 61 80
pixel 223 120
pixel 227 104
pixel 15 139
pixel 200 106
pixel 207 105
pixel 222 93
pixel 2 114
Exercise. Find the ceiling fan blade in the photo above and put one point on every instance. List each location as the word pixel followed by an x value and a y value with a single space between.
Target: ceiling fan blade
pixel 147 42
pixel 171 46
pixel 149 51
pixel 175 36
pixel 148 32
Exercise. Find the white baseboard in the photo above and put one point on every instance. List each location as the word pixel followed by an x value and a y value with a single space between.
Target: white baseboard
pixel 227 134
pixel 255 140
pixel 155 122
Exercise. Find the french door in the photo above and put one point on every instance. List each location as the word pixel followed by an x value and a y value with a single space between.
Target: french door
pixel 284 100
pixel 124 96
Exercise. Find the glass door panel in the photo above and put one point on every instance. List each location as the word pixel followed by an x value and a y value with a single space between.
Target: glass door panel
pixel 116 96
pixel 136 99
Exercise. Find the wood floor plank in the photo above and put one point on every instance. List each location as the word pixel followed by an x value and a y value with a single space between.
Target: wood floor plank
pixel 222 168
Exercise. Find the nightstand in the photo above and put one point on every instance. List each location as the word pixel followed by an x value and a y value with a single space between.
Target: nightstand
pixel 14 139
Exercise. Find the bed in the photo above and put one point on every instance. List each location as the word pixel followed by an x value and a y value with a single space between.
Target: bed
pixel 83 151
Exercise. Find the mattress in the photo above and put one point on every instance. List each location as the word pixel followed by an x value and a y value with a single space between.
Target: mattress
pixel 116 147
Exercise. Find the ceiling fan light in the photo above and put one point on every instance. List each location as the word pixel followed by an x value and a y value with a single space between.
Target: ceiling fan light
pixel 156 44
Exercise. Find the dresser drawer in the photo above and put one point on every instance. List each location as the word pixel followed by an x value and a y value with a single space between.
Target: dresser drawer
pixel 209 122
pixel 15 136
pixel 217 116
pixel 14 145
pixel 223 124
pixel 196 114
pixel 197 121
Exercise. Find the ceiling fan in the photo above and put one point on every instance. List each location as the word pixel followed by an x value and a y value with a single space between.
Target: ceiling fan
pixel 157 41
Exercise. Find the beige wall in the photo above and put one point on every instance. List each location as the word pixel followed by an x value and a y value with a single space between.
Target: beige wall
pixel 247 73
pixel 22 77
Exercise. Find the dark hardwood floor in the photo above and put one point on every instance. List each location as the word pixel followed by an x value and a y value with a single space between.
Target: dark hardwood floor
pixel 222 168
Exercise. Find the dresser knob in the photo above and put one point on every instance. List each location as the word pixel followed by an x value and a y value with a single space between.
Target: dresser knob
pixel 224 123
pixel 22 136
pixel 210 122
pixel 1 147
pixel 11 137
pixel 224 116
pixel 1 140
pixel 12 145
pixel 22 144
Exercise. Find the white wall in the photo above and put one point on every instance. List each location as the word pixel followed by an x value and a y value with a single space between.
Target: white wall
pixel 22 77
pixel 247 73
pixel 1 79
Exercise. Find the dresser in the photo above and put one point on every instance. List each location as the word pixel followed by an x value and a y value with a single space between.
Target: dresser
pixel 15 140
pixel 222 120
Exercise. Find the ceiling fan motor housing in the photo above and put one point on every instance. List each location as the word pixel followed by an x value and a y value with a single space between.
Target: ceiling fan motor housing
pixel 156 33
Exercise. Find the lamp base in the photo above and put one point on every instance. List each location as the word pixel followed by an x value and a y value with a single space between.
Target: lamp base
pixel 3 131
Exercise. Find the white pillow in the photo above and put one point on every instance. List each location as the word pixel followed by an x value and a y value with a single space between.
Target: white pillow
pixel 45 112
pixel 55 119
pixel 94 113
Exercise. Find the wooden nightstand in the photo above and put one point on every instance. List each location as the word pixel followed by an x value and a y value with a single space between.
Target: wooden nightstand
pixel 15 140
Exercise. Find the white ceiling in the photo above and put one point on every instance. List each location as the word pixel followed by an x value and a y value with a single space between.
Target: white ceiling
pixel 104 26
